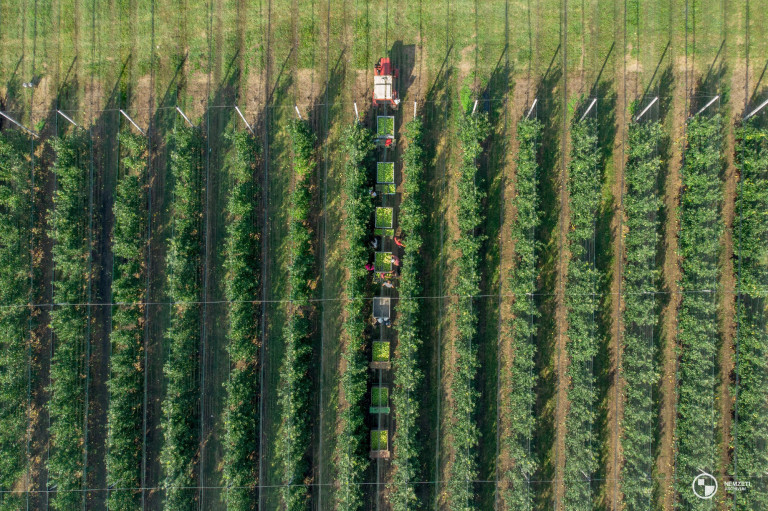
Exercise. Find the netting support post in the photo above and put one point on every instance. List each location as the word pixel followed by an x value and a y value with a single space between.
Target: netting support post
pixel 68 118
pixel 756 110
pixel 132 122
pixel 3 114
pixel 237 109
pixel 646 108
pixel 184 116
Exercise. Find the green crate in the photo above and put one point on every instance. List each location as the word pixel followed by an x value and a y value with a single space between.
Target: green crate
pixel 379 396
pixel 385 126
pixel 379 440
pixel 386 188
pixel 384 218
pixel 384 232
pixel 385 172
pixel 380 351
pixel 383 261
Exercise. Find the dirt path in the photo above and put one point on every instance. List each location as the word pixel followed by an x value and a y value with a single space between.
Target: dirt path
pixel 738 78
pixel 42 101
pixel 516 110
pixel 448 332
pixel 223 85
pixel 670 277
pixel 611 450
pixel 40 337
pixel 168 77
pixel 103 94
pixel 279 103
pixel 331 85
pixel 563 255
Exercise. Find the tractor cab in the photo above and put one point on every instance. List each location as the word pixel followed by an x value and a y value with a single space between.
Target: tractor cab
pixel 383 83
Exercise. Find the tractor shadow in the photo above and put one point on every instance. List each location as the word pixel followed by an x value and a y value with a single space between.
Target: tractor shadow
pixel 435 113
pixel 604 372
pixel 404 59
pixel 491 181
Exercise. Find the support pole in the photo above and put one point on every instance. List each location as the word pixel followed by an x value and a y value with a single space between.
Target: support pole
pixel 296 107
pixel 184 116
pixel 530 110
pixel 756 110
pixel 19 125
pixel 237 109
pixel 67 118
pixel 707 105
pixel 594 100
pixel 474 108
pixel 357 114
pixel 414 109
pixel 646 108
pixel 131 121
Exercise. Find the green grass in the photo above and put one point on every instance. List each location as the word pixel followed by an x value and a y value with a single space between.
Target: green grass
pixel 380 351
pixel 385 172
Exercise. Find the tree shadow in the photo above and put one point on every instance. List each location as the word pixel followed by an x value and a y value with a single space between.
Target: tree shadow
pixel 404 59
pixel 11 102
pixel 603 372
pixel 436 114
pixel 491 181
pixel 666 87
pixel 756 96
pixel 708 87
pixel 549 111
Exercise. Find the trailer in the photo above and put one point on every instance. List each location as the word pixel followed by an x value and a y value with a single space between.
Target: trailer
pixel 382 307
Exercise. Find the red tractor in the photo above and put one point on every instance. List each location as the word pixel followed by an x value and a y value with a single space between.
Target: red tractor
pixel 383 84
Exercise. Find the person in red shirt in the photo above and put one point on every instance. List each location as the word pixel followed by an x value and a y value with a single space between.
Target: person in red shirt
pixel 398 242
pixel 388 142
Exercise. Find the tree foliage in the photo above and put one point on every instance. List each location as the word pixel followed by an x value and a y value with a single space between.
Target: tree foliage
pixel 15 203
pixel 518 382
pixel 750 431
pixel 241 440
pixel 69 222
pixel 700 229
pixel 181 414
pixel 580 301
pixel 350 452
pixel 641 276
pixel 407 376
pixel 126 380
pixel 473 130
pixel 292 440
